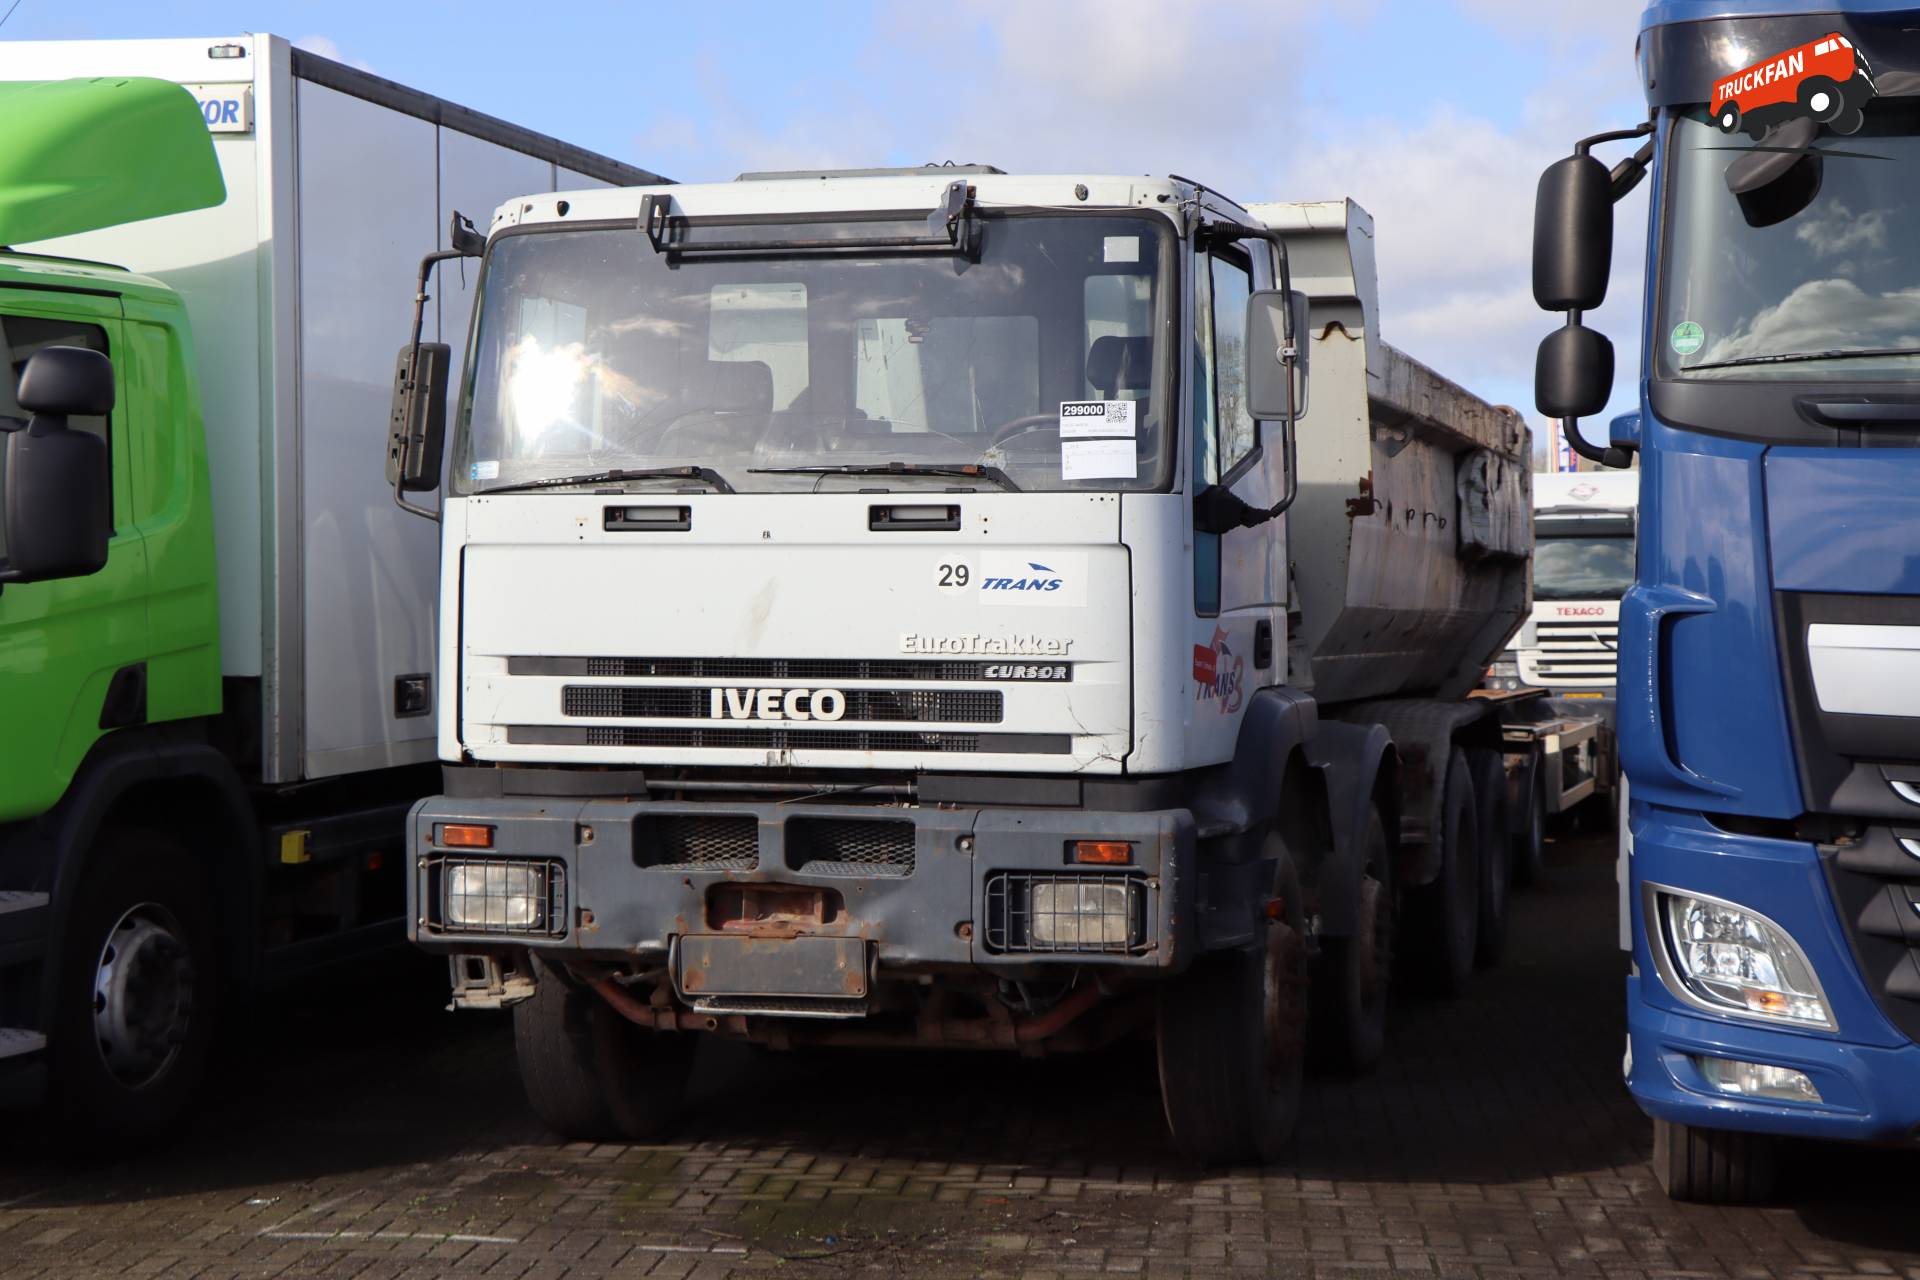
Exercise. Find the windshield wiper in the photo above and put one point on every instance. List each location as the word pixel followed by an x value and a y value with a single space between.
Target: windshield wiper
pixel 968 470
pixel 1795 357
pixel 706 475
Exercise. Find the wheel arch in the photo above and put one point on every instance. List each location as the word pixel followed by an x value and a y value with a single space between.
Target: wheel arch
pixel 166 778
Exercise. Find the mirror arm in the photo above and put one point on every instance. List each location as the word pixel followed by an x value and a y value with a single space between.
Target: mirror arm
pixel 1248 517
pixel 420 299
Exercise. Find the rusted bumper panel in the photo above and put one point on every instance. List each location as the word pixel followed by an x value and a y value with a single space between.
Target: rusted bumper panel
pixel 924 888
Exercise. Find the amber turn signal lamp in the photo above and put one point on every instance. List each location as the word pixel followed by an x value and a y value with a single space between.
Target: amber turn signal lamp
pixel 464 835
pixel 1108 853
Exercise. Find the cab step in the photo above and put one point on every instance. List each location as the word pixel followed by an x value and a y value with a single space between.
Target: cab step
pixel 13 900
pixel 17 1042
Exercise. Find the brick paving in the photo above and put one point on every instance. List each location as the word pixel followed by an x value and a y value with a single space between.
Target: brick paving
pixel 362 1132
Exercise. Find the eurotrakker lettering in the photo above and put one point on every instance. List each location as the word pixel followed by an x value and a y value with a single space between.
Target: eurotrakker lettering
pixel 1017 645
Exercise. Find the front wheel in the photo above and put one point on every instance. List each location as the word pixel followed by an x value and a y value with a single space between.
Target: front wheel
pixel 590 1074
pixel 1713 1166
pixel 137 990
pixel 1230 1035
pixel 1821 98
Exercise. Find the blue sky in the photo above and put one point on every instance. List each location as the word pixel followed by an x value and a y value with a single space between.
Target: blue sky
pixel 1437 115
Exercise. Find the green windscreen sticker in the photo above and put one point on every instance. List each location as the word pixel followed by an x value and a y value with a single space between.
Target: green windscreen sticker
pixel 1687 338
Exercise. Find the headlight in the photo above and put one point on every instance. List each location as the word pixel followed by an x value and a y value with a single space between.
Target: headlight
pixel 497 896
pixel 1080 914
pixel 1730 959
pixel 1503 674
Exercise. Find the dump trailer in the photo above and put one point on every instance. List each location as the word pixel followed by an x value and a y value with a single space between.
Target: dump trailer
pixel 936 607
pixel 216 641
pixel 1770 644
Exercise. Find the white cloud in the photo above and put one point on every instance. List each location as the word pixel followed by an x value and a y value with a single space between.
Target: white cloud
pixel 1826 315
pixel 328 47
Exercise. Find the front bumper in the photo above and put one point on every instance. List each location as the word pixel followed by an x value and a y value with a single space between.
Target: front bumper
pixel 923 889
pixel 1867 1073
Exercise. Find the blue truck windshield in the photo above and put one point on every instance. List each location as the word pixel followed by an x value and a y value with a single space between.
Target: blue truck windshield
pixel 1829 294
pixel 593 352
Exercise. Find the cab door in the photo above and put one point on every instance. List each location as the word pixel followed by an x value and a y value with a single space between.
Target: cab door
pixel 65 644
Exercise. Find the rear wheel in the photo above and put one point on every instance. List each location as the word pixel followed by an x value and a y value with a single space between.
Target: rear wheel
pixel 1729 118
pixel 1714 1166
pixel 1230 1034
pixel 590 1074
pixel 1496 855
pixel 138 988
pixel 1350 982
pixel 1530 841
pixel 1821 99
pixel 1443 918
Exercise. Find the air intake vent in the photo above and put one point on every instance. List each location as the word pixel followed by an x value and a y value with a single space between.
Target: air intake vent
pixel 850 847
pixel 690 842
pixel 697 736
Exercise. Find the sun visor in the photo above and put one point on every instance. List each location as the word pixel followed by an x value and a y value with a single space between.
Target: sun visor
pixel 1681 62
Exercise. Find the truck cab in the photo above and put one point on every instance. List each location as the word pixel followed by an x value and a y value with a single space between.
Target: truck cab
pixel 936 607
pixel 1769 661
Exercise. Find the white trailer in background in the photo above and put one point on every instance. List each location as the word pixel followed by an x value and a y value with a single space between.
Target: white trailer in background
pixel 276 798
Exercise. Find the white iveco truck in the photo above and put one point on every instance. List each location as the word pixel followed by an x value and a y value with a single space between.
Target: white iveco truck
pixel 897 607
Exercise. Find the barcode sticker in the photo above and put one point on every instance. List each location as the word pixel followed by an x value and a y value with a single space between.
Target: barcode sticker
pixel 1096 419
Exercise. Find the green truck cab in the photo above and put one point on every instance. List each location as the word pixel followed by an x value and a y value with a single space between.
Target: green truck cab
pixel 217 630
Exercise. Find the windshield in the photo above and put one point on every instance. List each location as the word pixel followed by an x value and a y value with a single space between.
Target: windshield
pixel 1832 292
pixel 1582 568
pixel 595 353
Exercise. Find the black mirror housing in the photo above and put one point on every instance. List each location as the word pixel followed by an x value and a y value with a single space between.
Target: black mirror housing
pixel 1270 313
pixel 59 506
pixel 1573 235
pixel 417 423
pixel 1573 373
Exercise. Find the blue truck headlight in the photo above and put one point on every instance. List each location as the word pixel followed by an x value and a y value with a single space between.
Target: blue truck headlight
pixel 1731 959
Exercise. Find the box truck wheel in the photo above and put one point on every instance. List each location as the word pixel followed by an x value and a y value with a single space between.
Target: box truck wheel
pixel 1729 117
pixel 137 989
pixel 1231 1034
pixel 1530 842
pixel 590 1074
pixel 1443 918
pixel 1350 982
pixel 1496 854
pixel 1714 1166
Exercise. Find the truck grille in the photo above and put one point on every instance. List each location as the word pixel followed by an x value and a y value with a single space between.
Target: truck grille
pixel 920 706
pixel 850 847
pixel 697 842
pixel 1876 884
pixel 1572 655
pixel 795 669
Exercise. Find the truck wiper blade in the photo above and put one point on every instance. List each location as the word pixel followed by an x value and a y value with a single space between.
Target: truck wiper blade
pixel 1795 357
pixel 969 471
pixel 706 475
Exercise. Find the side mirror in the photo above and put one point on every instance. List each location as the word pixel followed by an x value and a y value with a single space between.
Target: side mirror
pixel 1573 373
pixel 417 424
pixel 59 507
pixel 1271 315
pixel 1573 235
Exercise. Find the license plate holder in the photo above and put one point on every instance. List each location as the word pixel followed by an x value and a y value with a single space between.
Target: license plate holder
pixel 728 965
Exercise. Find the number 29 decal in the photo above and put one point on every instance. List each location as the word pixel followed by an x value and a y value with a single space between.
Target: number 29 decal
pixel 952 575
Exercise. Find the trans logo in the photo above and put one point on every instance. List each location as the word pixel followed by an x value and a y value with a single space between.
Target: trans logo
pixel 1045 579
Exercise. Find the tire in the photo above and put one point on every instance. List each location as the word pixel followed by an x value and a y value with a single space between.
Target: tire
pixel 1714 1166
pixel 1443 918
pixel 137 992
pixel 1729 118
pixel 1230 1036
pixel 1849 121
pixel 1821 90
pixel 1350 984
pixel 1530 842
pixel 1496 856
pixel 591 1075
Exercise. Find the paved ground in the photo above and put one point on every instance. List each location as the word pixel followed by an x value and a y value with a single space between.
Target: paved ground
pixel 375 1136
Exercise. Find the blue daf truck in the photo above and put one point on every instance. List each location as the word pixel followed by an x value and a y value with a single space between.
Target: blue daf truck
pixel 1770 647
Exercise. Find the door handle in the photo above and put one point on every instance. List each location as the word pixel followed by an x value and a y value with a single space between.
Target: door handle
pixel 908 517
pixel 1639 669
